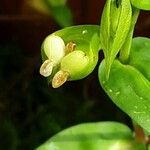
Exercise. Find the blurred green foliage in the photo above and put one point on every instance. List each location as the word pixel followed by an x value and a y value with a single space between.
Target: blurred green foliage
pixel 60 12
pixel 57 9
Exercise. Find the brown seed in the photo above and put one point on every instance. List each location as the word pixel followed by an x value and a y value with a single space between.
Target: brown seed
pixel 70 47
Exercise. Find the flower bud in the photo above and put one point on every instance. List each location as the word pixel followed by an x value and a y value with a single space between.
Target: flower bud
pixel 54 50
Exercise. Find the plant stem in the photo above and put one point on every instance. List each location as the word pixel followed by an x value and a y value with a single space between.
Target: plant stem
pixel 139 133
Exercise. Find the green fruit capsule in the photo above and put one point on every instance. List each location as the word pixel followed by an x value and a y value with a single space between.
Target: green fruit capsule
pixel 75 63
pixel 129 85
pixel 76 58
pixel 74 66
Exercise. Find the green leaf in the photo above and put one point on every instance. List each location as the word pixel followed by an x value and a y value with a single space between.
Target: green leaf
pixel 141 4
pixel 129 85
pixel 140 55
pixel 93 136
pixel 128 88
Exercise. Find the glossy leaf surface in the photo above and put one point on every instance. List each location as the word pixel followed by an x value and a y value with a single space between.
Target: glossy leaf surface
pixel 129 85
pixel 93 136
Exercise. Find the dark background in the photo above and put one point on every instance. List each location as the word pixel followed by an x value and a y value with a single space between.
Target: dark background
pixel 30 110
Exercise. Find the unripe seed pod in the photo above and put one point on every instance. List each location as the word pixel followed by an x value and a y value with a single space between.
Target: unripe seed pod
pixel 73 67
pixel 70 54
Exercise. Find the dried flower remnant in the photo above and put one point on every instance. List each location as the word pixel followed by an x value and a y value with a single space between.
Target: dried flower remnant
pixel 60 78
pixel 70 47
pixel 46 68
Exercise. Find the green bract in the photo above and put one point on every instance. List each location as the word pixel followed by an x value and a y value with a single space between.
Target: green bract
pixel 93 136
pixel 129 85
pixel 115 25
pixel 81 53
pixel 141 4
